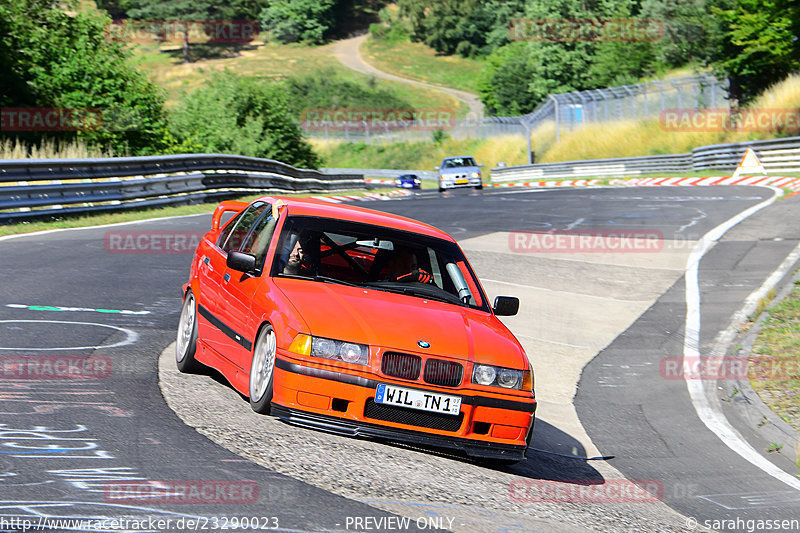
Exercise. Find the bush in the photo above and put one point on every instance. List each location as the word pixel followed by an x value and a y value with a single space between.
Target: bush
pixel 326 89
pixel 241 115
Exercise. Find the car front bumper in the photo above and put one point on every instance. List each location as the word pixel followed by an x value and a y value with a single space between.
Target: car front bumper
pixel 489 427
pixel 453 182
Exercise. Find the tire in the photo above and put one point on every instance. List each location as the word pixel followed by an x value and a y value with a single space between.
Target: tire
pixel 479 187
pixel 186 342
pixel 262 370
pixel 441 189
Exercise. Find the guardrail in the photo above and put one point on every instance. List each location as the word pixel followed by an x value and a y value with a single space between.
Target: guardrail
pixel 40 188
pixel 777 156
pixel 382 173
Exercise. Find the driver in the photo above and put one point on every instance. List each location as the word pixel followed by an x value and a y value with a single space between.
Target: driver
pixel 403 267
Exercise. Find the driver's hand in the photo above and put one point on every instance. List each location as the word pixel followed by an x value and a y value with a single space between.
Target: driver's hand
pixel 416 275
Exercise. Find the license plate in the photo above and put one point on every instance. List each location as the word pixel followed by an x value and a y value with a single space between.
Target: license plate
pixel 418 399
pixel 461 182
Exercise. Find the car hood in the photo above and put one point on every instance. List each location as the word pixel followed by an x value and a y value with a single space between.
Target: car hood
pixel 398 322
pixel 460 170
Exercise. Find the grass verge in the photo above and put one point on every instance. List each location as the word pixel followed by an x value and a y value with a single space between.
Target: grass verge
pixel 775 361
pixel 416 61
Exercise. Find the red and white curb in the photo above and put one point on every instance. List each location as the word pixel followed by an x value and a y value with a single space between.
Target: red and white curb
pixel 367 197
pixel 567 183
pixel 774 181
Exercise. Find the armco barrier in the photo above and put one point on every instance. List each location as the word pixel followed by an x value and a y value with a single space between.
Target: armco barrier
pixel 777 156
pixel 38 188
pixel 382 173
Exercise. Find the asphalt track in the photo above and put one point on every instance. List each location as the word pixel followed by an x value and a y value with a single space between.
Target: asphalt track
pixel 64 442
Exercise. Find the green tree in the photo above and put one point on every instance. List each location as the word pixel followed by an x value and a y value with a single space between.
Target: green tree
pixel 298 20
pixel 757 43
pixel 621 63
pixel 686 26
pixel 519 76
pixel 241 115
pixel 54 59
pixel 468 28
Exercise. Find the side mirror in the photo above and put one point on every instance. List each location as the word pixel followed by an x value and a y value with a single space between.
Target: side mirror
pixel 506 306
pixel 435 168
pixel 480 164
pixel 241 262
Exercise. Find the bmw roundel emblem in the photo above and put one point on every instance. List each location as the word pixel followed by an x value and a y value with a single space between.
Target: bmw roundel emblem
pixel 423 344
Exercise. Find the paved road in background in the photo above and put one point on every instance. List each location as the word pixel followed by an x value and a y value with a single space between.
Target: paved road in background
pixel 348 52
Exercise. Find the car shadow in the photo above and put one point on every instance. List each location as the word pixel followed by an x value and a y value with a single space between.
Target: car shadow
pixel 553 455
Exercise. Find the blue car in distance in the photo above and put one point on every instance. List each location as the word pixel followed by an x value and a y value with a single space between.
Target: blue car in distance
pixel 407 181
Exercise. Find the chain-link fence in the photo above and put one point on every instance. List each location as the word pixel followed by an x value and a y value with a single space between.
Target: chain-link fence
pixel 566 110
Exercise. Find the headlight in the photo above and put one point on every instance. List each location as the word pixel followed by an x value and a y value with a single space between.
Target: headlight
pixel 475 175
pixel 348 352
pixel 497 376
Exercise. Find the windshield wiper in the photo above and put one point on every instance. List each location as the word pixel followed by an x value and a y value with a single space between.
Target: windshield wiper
pixel 410 291
pixel 321 279
pixel 326 279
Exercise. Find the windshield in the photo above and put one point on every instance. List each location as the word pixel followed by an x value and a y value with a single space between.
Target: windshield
pixel 457 162
pixel 327 250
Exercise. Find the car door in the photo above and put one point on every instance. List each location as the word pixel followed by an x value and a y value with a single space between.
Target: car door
pixel 220 330
pixel 239 288
pixel 209 273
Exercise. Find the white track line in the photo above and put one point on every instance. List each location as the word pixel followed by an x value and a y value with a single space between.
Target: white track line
pixel 713 418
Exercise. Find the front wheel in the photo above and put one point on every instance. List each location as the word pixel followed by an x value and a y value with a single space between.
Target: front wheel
pixel 479 187
pixel 262 370
pixel 186 343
